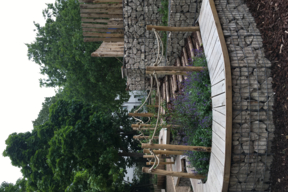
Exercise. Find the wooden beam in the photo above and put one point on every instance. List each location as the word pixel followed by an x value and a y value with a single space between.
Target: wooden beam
pixel 102 25
pixel 106 55
pixel 164 28
pixel 145 137
pixel 107 10
pixel 191 47
pixel 176 147
pixel 151 125
pixel 103 30
pixel 175 68
pixel 199 38
pixel 143 129
pixel 164 152
pixel 148 156
pixel 180 78
pixel 101 15
pixel 101 6
pixel 160 163
pixel 172 173
pixel 103 35
pixel 103 39
pixel 142 114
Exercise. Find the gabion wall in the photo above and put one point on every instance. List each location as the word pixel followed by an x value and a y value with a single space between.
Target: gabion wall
pixel 252 98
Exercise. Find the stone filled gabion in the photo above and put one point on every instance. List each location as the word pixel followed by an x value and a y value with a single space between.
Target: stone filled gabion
pixel 140 45
pixel 252 98
pixel 182 14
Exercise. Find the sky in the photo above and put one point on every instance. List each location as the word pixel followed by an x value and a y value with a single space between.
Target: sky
pixel 21 96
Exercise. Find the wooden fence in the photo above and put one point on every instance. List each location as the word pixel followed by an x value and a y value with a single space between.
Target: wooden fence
pixel 102 20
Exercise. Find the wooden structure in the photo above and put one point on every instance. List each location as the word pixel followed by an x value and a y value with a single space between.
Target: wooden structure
pixel 221 93
pixel 102 20
pixel 109 49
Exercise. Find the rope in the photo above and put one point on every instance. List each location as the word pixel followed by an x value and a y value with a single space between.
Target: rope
pixel 157 62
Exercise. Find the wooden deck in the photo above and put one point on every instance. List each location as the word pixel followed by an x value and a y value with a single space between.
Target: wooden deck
pixel 221 92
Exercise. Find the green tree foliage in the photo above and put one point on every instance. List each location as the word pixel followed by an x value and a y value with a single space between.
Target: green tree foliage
pixel 75 150
pixel 20 186
pixel 64 57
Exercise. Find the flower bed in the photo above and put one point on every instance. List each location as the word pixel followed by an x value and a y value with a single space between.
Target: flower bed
pixel 192 110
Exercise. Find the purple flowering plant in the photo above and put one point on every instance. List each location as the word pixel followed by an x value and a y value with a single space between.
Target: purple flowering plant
pixel 192 110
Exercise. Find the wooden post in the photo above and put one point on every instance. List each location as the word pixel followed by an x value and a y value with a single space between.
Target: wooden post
pixel 176 147
pixel 165 28
pixel 148 156
pixel 163 152
pixel 191 47
pixel 144 137
pixel 174 68
pixel 151 125
pixel 152 106
pixel 142 114
pixel 172 173
pixel 143 129
pixel 160 163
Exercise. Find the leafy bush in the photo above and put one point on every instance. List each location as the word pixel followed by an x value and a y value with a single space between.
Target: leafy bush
pixel 192 110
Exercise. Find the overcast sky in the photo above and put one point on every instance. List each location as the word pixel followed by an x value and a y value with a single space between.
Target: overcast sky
pixel 21 96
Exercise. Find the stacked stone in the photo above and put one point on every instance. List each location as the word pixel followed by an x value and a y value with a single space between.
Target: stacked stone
pixel 183 13
pixel 141 47
pixel 252 98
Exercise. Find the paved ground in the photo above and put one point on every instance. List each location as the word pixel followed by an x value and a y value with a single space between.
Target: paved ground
pixel 169 183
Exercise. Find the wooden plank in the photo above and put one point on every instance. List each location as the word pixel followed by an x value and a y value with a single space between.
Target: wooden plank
pixel 219 67
pixel 141 114
pixel 101 15
pixel 212 41
pixel 171 173
pixel 165 28
pixel 218 172
pixel 209 27
pixel 212 181
pixel 102 11
pixel 101 25
pixel 101 6
pixel 218 77
pixel 102 35
pixel 191 47
pixel 180 78
pixel 107 21
pixel 175 68
pixel 100 1
pixel 219 88
pixel 167 89
pixel 221 109
pixel 176 147
pixel 185 56
pixel 218 153
pixel 95 54
pixel 103 30
pixel 219 118
pixel 199 37
pixel 219 100
pixel 218 141
pixel 218 129
pixel 103 39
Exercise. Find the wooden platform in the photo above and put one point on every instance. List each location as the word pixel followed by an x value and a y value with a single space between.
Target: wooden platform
pixel 221 93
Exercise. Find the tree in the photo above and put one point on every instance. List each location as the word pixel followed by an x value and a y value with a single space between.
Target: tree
pixel 20 186
pixel 75 150
pixel 64 57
